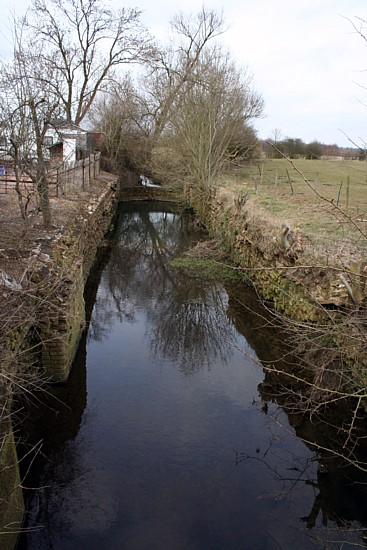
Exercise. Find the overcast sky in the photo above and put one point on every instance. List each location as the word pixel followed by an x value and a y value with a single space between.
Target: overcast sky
pixel 305 57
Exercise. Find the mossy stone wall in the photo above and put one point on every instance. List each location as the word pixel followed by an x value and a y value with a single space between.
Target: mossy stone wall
pixel 239 238
pixel 63 321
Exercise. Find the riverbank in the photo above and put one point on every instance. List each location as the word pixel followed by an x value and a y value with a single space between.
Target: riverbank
pixel 43 311
pixel 280 259
pixel 311 195
pixel 44 278
pixel 318 304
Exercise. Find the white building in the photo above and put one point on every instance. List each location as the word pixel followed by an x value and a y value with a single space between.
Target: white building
pixel 66 141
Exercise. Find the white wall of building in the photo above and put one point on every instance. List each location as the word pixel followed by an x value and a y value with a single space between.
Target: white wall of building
pixel 69 150
pixel 68 135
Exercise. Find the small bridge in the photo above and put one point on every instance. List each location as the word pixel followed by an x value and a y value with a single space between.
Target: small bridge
pixel 142 193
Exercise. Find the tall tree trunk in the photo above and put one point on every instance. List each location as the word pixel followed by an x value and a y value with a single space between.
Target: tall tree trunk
pixel 41 173
pixel 42 189
pixel 18 181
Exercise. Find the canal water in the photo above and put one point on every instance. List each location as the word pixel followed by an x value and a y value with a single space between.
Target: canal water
pixel 163 438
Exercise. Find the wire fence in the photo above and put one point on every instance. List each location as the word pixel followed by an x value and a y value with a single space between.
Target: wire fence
pixel 66 179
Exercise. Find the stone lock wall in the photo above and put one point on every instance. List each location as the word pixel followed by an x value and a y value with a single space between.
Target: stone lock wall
pixel 63 320
pixel 62 327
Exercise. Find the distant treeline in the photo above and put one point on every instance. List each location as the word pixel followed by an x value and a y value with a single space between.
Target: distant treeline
pixel 297 148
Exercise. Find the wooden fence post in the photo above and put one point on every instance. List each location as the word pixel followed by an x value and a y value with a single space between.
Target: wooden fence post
pixel 347 197
pixel 340 189
pixel 290 181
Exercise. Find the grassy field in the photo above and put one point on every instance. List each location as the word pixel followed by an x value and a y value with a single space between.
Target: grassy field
pixel 277 187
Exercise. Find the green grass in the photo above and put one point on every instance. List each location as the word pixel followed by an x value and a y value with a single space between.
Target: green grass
pixel 208 269
pixel 283 193
pixel 320 172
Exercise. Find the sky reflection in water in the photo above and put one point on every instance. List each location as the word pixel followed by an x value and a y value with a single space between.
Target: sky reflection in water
pixel 166 444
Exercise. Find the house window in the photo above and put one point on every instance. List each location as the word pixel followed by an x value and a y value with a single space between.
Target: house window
pixel 48 141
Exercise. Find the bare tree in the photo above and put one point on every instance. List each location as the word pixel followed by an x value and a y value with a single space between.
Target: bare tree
pixel 147 107
pixel 15 135
pixel 192 110
pixel 215 109
pixel 80 45
pixel 28 107
pixel 123 117
pixel 84 41
pixel 172 69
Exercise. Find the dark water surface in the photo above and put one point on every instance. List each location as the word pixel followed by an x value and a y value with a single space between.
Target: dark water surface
pixel 161 438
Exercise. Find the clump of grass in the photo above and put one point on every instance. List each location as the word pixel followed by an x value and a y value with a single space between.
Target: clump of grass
pixel 209 270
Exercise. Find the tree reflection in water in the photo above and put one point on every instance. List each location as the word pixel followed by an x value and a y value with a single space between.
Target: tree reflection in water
pixel 338 510
pixel 186 317
pixel 97 467
pixel 190 326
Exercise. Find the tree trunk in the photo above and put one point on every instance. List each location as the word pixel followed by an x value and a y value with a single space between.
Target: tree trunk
pixel 22 208
pixel 42 189
pixel 41 173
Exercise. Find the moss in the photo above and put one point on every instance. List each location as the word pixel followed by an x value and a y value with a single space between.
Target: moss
pixel 240 242
pixel 287 297
pixel 210 270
